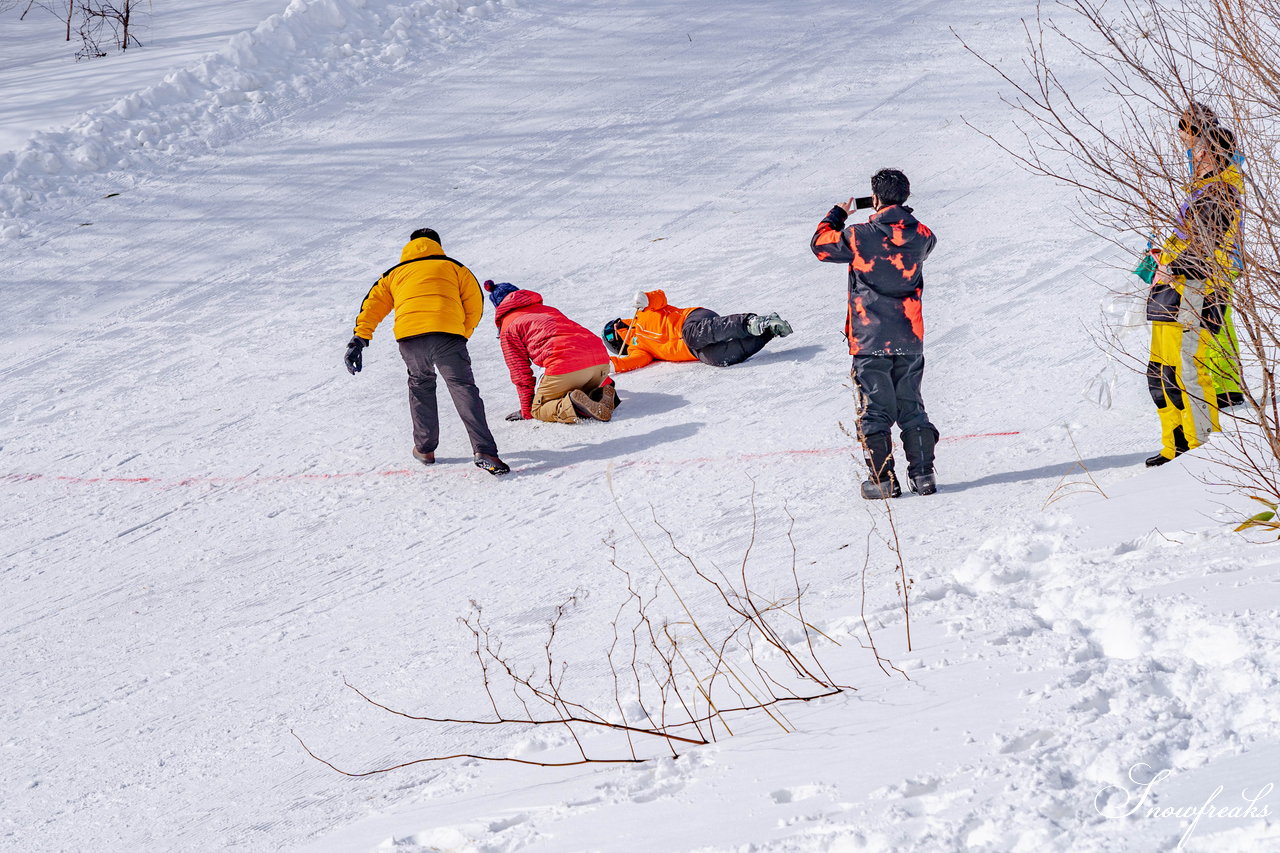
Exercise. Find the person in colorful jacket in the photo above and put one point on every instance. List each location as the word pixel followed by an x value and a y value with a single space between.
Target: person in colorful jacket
pixel 885 328
pixel 438 304
pixel 576 382
pixel 660 331
pixel 1186 298
pixel 1223 358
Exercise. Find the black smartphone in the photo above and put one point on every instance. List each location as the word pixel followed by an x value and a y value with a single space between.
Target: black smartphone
pixel 862 202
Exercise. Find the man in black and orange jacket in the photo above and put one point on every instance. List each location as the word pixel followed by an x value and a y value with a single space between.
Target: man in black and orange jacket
pixel 885 328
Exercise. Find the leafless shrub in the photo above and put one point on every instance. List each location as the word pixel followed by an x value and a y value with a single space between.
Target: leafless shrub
pixel 681 673
pixel 105 22
pixel 100 24
pixel 1121 153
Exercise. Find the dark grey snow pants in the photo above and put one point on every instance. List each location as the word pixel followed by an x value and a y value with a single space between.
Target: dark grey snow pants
pixel 721 340
pixel 889 392
pixel 441 352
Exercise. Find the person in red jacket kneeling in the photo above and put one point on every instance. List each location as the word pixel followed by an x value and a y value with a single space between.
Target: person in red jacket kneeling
pixel 576 383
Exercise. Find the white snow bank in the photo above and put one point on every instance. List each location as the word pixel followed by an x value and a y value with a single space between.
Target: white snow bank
pixel 311 49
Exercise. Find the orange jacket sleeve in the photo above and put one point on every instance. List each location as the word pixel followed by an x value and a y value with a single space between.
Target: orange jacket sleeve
pixel 634 359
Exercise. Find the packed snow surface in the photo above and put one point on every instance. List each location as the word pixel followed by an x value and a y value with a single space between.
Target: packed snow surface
pixel 209 526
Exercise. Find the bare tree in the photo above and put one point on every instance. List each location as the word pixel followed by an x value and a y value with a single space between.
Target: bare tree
pixel 1155 61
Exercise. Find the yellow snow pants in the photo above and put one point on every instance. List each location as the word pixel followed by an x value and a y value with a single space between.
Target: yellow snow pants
pixel 1182 386
pixel 1224 357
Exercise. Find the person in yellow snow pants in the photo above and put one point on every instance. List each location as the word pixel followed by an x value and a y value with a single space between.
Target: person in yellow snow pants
pixel 1200 132
pixel 1189 291
pixel 1181 385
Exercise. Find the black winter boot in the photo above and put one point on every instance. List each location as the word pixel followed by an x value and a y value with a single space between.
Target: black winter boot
pixel 878 451
pixel 918 444
pixel 492 464
pixel 1227 399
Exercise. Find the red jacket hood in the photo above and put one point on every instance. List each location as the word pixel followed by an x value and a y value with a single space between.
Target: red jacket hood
pixel 514 302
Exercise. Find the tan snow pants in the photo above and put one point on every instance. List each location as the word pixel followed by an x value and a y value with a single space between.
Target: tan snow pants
pixel 551 397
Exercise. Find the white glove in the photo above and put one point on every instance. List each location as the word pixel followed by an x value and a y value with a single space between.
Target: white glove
pixel 641 301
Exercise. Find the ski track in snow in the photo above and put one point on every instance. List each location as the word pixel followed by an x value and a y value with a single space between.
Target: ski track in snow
pixel 162 642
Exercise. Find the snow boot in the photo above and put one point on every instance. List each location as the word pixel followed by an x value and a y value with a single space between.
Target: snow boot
pixel 424 458
pixel 607 394
pixel 586 407
pixel 1230 399
pixel 492 464
pixel 759 324
pixel 878 451
pixel 918 444
pixel 1180 446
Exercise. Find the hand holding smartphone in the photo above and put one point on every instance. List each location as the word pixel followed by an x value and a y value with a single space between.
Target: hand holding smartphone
pixel 859 203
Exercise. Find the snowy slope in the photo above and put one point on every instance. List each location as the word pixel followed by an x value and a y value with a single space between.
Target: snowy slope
pixel 209 525
pixel 45 90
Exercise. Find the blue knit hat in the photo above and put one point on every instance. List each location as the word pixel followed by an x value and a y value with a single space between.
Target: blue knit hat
pixel 498 292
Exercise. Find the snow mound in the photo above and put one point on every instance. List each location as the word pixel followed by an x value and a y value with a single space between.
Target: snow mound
pixel 312 48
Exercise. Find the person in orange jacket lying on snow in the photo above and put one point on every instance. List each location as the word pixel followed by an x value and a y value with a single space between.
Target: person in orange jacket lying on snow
pixel 660 331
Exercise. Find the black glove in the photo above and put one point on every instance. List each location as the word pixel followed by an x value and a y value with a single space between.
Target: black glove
pixel 515 416
pixel 355 354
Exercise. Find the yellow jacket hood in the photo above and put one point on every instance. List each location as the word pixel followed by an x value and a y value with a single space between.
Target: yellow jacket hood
pixel 420 248
pixel 429 291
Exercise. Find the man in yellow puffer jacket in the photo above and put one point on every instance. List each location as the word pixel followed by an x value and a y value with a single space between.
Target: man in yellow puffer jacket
pixel 438 304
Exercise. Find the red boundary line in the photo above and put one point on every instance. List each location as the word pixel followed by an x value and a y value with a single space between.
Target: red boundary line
pixel 250 479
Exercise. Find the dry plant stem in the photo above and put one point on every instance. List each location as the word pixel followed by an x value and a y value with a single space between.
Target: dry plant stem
pixel 1065 488
pixel 549 696
pixel 434 758
pixel 871 640
pixel 799 599
pixel 613 668
pixel 904 583
pixel 633 665
pixel 767 630
pixel 672 587
pixel 893 542
pixel 745 605
pixel 557 703
pixel 880 659
pixel 502 721
pixel 645 623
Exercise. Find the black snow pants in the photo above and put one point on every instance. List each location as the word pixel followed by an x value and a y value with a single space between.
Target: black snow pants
pixel 889 393
pixel 721 341
pixel 425 355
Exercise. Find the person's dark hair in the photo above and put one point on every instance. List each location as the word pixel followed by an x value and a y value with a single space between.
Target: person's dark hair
pixel 1197 118
pixel 429 233
pixel 890 186
pixel 1221 144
